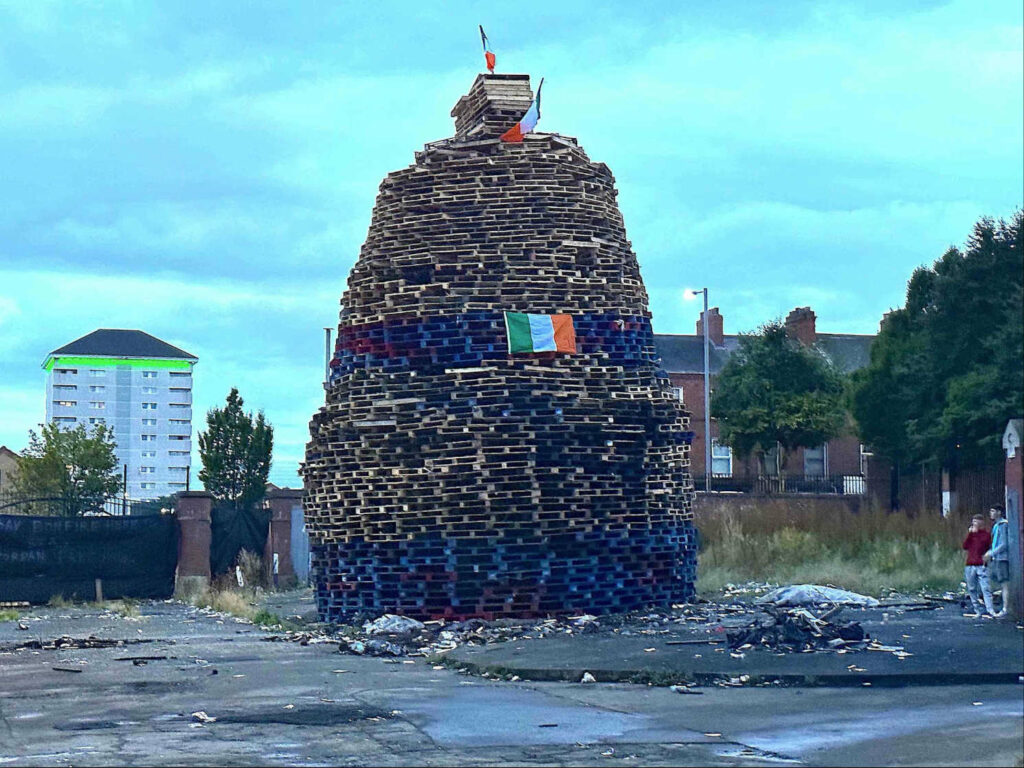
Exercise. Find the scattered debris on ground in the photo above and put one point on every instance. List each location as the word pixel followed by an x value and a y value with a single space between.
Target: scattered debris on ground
pixel 741 624
pixel 797 630
pixel 389 624
pixel 815 594
pixel 65 642
pixel 374 647
pixel 751 617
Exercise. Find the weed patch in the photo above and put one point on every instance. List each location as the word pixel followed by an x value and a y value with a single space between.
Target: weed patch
pixel 870 552
pixel 265 618
pixel 7 614
pixel 125 607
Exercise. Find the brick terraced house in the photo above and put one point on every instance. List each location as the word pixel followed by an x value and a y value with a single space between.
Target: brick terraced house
pixel 841 463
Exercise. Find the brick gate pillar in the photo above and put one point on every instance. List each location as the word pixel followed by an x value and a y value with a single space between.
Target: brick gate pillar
pixel 193 515
pixel 279 538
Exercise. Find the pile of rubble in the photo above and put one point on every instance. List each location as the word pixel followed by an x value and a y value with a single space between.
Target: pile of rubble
pixel 798 629
pixel 392 635
pixel 772 623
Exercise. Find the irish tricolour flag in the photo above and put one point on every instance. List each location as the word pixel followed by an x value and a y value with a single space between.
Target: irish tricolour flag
pixel 528 123
pixel 539 333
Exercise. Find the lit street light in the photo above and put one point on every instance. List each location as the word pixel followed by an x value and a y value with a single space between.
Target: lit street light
pixel 689 294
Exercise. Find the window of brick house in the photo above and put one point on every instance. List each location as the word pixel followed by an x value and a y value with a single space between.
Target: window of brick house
pixel 721 459
pixel 815 461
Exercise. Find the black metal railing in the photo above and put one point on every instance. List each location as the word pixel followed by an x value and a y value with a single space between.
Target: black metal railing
pixel 844 485
pixel 12 503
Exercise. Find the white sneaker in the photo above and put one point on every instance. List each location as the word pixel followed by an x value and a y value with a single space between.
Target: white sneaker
pixel 999 615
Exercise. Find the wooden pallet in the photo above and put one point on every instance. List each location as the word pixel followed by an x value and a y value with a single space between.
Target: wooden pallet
pixel 431 434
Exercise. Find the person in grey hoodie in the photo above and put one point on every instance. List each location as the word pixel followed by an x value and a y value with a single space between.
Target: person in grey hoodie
pixel 998 557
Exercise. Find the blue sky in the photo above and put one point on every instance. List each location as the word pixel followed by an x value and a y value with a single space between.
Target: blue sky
pixel 205 171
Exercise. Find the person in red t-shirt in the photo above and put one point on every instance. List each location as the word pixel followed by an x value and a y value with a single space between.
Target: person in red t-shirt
pixel 977 544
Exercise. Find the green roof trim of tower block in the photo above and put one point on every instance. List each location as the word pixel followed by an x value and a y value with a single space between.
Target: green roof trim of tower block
pixel 132 362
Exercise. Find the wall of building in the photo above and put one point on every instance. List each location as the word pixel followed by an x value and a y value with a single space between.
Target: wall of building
pixel 692 386
pixel 149 407
pixel 8 466
pixel 842 453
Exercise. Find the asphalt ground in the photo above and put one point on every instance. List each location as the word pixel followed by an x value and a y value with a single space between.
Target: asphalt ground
pixel 938 646
pixel 282 703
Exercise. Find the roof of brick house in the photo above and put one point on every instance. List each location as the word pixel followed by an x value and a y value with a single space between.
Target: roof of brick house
pixel 684 353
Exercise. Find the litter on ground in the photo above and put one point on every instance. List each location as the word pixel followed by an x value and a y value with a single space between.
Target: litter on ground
pixel 814 594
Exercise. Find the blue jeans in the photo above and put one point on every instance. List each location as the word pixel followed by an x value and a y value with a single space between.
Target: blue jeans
pixel 976 577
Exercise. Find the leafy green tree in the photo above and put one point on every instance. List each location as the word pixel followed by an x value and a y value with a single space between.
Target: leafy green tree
pixel 78 467
pixel 947 369
pixel 236 451
pixel 774 391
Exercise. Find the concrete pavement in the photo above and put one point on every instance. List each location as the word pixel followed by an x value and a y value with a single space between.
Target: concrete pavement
pixel 938 647
pixel 280 703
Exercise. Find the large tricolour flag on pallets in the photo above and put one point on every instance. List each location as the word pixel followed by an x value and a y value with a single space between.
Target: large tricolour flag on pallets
pixel 529 121
pixel 539 333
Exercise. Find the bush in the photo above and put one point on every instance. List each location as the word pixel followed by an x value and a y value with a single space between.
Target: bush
pixel 265 618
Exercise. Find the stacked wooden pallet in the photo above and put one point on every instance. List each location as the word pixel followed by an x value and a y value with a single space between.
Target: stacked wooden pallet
pixel 447 478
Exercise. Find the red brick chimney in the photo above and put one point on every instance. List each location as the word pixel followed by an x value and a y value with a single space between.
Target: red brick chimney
pixel 884 320
pixel 716 327
pixel 800 325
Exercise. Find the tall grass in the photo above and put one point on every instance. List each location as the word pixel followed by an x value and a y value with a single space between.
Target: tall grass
pixel 233 601
pixel 869 552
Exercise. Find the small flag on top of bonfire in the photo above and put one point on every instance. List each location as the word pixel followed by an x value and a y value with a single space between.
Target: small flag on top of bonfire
pixel 488 53
pixel 539 333
pixel 529 121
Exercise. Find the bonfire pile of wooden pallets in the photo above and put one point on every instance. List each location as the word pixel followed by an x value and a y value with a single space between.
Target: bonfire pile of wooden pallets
pixel 445 477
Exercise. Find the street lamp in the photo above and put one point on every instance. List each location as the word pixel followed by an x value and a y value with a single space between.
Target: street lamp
pixel 327 356
pixel 688 294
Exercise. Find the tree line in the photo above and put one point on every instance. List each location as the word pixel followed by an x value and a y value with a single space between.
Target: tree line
pixel 946 370
pixel 79 467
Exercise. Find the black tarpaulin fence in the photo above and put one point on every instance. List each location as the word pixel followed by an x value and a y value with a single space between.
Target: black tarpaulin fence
pixel 41 557
pixel 231 531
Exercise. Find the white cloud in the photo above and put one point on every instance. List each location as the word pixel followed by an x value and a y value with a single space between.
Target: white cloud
pixel 54 106
pixel 941 86
pixel 21 409
pixel 851 266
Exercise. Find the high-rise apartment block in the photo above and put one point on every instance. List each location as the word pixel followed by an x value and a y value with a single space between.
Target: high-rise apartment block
pixel 141 388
